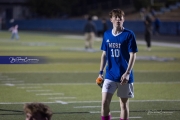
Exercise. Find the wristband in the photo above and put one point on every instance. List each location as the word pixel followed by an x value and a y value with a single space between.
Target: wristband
pixel 101 72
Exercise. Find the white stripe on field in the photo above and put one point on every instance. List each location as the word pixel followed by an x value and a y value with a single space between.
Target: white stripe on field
pixel 87 107
pixel 100 112
pixel 62 98
pixel 9 84
pixel 93 101
pixel 7 81
pixel 143 71
pixel 50 94
pixel 29 87
pixel 3 76
pixel 11 79
pixel 17 103
pixel 33 84
pixel 62 102
pixel 129 101
pixel 38 90
pixel 136 117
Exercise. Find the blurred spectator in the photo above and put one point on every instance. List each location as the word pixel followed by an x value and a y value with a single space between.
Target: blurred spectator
pixel 142 13
pixel 90 32
pixel 14 31
pixel 156 25
pixel 148 29
pixel 105 26
pixel 37 111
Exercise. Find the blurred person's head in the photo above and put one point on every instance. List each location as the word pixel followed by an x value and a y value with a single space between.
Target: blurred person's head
pixel 89 18
pixel 16 26
pixel 37 111
pixel 117 17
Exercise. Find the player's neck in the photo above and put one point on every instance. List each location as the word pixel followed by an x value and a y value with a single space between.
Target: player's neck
pixel 117 30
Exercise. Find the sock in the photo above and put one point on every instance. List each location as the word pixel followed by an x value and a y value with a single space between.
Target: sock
pixel 106 117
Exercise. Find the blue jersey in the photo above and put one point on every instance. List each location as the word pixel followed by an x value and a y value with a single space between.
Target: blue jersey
pixel 117 49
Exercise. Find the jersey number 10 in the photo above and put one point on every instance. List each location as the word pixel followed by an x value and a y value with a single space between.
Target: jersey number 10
pixel 115 52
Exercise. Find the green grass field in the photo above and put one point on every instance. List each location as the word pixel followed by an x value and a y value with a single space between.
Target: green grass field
pixel 66 82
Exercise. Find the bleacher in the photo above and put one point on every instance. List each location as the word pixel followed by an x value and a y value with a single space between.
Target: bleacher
pixel 170 13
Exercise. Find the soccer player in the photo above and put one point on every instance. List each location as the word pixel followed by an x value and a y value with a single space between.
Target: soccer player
pixel 37 111
pixel 119 52
pixel 90 32
pixel 148 29
pixel 14 31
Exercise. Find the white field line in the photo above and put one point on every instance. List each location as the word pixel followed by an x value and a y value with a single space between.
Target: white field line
pixel 9 84
pixel 129 101
pixel 19 103
pixel 38 90
pixel 58 101
pixel 2 77
pixel 156 82
pixel 44 84
pixel 87 107
pixel 29 87
pixel 54 98
pixel 135 117
pixel 62 102
pixel 7 81
pixel 46 94
pixel 100 112
pixel 139 71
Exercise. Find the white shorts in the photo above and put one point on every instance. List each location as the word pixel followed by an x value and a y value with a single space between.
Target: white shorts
pixel 123 91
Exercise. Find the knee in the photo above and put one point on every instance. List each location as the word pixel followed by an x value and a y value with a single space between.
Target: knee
pixel 124 106
pixel 105 103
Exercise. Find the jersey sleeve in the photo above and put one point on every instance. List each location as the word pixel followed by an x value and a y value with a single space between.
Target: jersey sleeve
pixel 132 46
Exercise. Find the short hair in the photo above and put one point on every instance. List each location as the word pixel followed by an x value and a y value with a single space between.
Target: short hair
pixel 35 108
pixel 116 12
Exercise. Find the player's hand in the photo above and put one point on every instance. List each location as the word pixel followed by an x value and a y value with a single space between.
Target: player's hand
pixel 100 81
pixel 124 78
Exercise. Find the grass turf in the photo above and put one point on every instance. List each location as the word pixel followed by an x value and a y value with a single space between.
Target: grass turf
pixel 72 72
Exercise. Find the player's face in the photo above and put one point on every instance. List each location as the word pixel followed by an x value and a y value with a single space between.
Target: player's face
pixel 34 117
pixel 117 21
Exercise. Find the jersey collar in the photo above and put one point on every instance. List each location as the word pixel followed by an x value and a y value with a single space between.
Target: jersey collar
pixel 118 33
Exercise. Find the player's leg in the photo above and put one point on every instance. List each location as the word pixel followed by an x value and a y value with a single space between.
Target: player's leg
pixel 86 40
pixel 149 41
pixel 108 89
pixel 105 107
pixel 16 36
pixel 146 37
pixel 12 36
pixel 124 93
pixel 124 105
pixel 91 42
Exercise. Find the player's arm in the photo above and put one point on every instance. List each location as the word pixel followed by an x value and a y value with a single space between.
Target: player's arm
pixel 102 63
pixel 125 76
pixel 100 80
